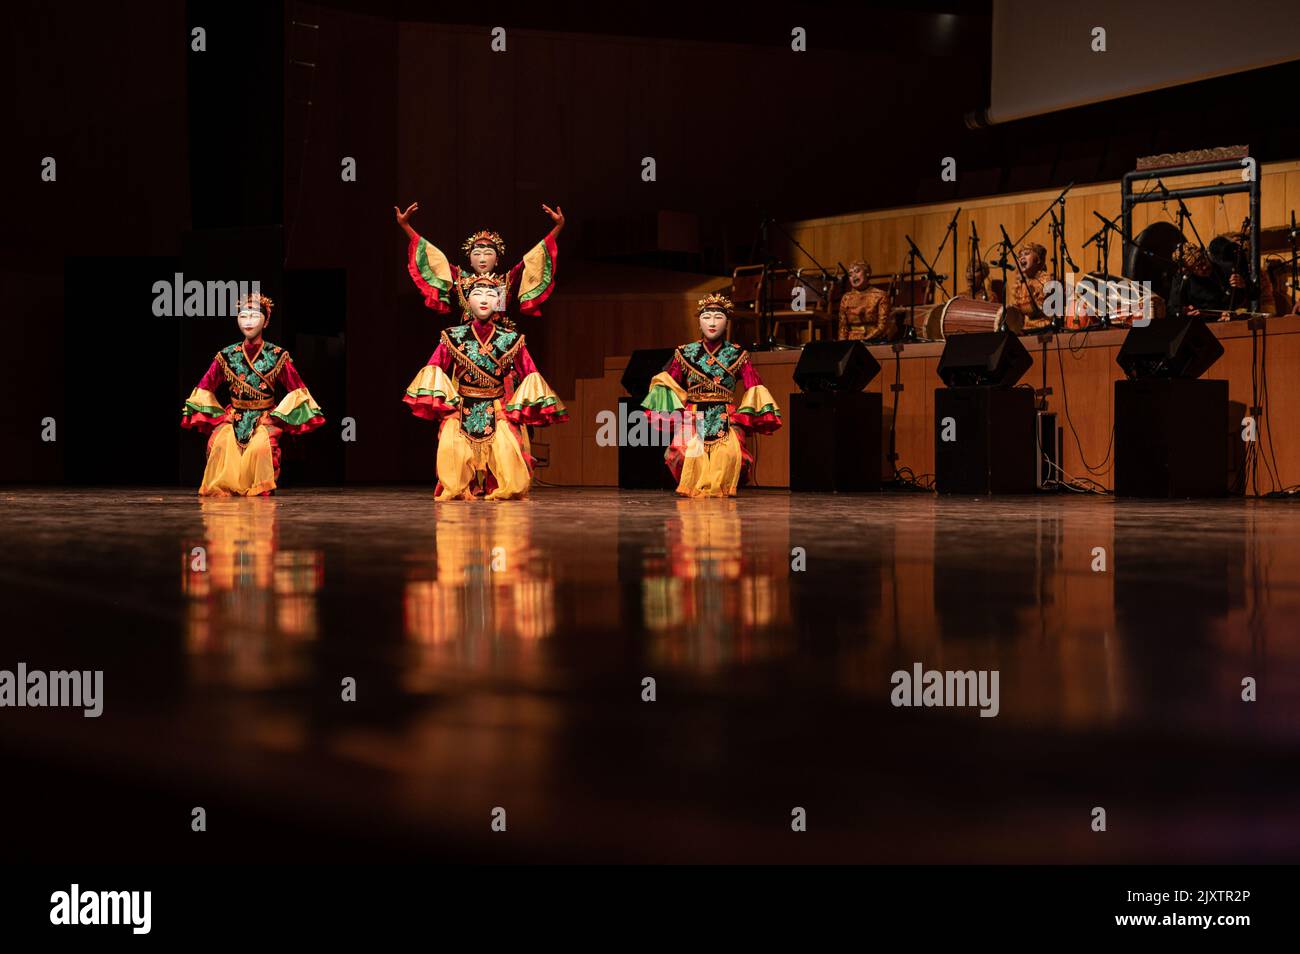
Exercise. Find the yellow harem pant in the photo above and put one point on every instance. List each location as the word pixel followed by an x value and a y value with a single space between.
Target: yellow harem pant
pixel 461 461
pixel 235 471
pixel 711 470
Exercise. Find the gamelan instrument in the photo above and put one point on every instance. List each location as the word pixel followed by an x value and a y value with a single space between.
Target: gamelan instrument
pixel 960 315
pixel 1121 300
pixel 1150 257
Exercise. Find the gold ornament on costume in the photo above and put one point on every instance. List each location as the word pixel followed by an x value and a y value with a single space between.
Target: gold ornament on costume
pixel 256 302
pixel 468 281
pixel 484 237
pixel 714 302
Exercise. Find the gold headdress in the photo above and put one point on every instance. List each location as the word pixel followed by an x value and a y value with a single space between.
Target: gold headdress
pixel 256 302
pixel 714 302
pixel 468 281
pixel 484 237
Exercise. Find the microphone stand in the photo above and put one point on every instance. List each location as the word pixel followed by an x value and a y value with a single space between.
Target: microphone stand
pixel 931 275
pixel 1059 224
pixel 951 232
pixel 1042 215
pixel 826 275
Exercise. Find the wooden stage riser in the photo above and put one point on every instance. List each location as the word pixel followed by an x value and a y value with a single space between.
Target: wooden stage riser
pixel 1080 369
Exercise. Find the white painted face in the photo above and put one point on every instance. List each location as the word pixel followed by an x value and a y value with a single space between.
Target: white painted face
pixel 251 322
pixel 857 277
pixel 483 302
pixel 483 259
pixel 713 324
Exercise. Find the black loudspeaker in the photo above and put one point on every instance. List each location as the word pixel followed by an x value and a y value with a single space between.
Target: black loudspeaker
pixel 641 367
pixel 985 440
pixel 642 467
pixel 835 366
pixel 984 359
pixel 835 441
pixel 1169 348
pixel 1171 438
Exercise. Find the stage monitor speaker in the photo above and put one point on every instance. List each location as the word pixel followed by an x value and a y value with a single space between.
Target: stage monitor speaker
pixel 984 359
pixel 641 367
pixel 835 441
pixel 985 440
pixel 1171 438
pixel 837 366
pixel 1169 348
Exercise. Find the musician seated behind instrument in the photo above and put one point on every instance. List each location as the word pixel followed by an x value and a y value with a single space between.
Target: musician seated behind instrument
pixel 977 281
pixel 1199 285
pixel 1231 257
pixel 864 311
pixel 1030 291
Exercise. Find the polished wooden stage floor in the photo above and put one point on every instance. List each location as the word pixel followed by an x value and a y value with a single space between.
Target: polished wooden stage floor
pixel 499 652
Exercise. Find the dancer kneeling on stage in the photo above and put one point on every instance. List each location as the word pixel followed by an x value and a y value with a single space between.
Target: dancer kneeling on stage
pixel 244 449
pixel 694 395
pixel 482 386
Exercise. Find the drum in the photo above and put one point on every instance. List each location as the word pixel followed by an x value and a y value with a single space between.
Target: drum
pixel 922 321
pixel 969 315
pixel 1123 300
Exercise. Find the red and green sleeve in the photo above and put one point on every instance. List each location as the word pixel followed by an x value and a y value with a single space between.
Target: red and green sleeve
pixel 298 412
pixel 432 273
pixel 757 410
pixel 533 279
pixel 202 411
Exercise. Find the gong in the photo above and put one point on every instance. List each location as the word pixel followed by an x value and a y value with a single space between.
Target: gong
pixel 1150 256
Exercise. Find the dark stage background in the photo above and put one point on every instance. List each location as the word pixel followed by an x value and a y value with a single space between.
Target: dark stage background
pixel 229 160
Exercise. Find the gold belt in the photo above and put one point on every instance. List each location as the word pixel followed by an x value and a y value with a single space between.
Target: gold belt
pixel 253 405
pixel 469 391
pixel 708 395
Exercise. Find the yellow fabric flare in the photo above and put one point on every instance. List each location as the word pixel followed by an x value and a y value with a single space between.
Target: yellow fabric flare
pixel 235 471
pixel 432 382
pixel 461 461
pixel 201 400
pixel 296 406
pixel 711 470
pixel 533 389
pixel 757 400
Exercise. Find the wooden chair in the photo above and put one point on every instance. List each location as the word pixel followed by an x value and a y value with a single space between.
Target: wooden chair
pixel 746 295
pixel 821 299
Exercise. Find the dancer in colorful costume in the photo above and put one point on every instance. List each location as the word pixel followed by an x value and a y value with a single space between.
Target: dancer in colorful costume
pixel 528 284
pixel 244 449
pixel 483 389
pixel 695 396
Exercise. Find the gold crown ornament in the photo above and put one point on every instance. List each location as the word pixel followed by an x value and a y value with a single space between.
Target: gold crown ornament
pixel 486 238
pixel 256 302
pixel 714 302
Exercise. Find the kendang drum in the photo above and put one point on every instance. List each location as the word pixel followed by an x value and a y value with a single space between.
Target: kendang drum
pixel 1123 300
pixel 920 323
pixel 962 315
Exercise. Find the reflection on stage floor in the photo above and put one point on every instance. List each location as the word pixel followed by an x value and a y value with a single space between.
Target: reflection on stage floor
pixel 499 652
